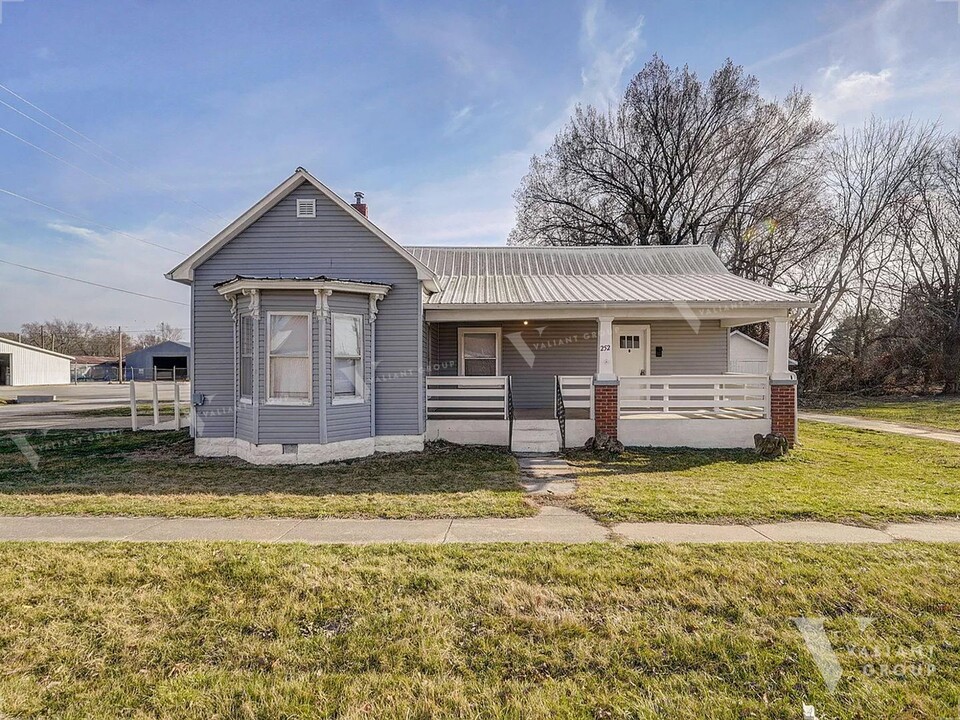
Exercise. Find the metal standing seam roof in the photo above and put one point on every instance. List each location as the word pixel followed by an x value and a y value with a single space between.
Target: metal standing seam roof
pixel 560 275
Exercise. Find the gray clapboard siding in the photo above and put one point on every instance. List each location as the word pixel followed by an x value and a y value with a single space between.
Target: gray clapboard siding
pixel 332 244
pixel 352 421
pixel 688 350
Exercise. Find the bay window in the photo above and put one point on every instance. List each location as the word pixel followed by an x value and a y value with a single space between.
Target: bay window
pixel 289 363
pixel 347 358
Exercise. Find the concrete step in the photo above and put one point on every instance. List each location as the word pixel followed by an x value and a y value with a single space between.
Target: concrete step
pixel 535 435
pixel 538 424
pixel 551 446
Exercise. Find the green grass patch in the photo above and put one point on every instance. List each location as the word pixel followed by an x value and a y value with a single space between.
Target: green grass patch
pixel 836 473
pixel 194 630
pixel 939 412
pixel 153 473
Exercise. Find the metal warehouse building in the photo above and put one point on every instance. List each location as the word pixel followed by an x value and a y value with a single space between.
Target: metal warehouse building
pixel 22 364
pixel 160 362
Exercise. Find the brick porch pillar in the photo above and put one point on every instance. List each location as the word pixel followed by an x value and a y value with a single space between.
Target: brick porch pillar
pixel 606 409
pixel 783 410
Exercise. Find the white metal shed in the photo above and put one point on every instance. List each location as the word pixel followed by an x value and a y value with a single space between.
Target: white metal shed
pixel 22 364
pixel 746 355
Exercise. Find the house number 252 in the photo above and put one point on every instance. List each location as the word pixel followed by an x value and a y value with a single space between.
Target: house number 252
pixel 604 348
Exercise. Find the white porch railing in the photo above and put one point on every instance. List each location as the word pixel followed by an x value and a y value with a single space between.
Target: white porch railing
pixel 746 395
pixel 483 398
pixel 577 392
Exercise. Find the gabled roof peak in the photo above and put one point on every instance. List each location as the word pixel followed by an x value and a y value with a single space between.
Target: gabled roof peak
pixel 184 271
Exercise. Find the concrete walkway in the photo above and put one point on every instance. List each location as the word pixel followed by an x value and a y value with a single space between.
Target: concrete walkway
pixel 551 524
pixel 546 475
pixel 884 426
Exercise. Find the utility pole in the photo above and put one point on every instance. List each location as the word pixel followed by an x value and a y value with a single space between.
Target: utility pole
pixel 119 354
pixel 41 338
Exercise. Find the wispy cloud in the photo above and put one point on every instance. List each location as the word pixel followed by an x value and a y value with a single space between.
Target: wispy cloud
pixel 476 207
pixel 458 120
pixel 610 45
pixel 852 95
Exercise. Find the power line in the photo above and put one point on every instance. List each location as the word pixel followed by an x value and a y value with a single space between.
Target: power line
pixel 57 157
pixel 93 142
pixel 77 167
pixel 88 282
pixel 59 135
pixel 91 222
pixel 77 145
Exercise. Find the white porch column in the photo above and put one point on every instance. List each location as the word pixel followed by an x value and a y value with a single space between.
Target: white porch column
pixel 605 348
pixel 778 357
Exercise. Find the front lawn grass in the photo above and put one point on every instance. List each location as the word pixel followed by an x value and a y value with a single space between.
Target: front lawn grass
pixel 155 473
pixel 938 412
pixel 193 630
pixel 836 473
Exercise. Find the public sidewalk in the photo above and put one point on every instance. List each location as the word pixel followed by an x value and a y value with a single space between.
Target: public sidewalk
pixel 552 525
pixel 884 426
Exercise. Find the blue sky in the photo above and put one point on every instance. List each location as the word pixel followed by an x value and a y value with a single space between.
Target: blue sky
pixel 433 109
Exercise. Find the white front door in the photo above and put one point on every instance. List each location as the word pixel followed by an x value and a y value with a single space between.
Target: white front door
pixel 631 350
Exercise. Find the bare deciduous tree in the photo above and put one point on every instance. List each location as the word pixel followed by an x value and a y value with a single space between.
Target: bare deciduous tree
pixel 677 161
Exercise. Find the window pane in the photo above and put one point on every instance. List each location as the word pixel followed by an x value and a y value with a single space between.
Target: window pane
pixel 346 336
pixel 246 356
pixel 288 335
pixel 289 378
pixel 480 345
pixel 246 335
pixel 246 376
pixel 479 366
pixel 345 377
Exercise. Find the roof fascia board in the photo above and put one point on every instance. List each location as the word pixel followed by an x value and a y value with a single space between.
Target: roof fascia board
pixel 35 348
pixel 740 315
pixel 236 286
pixel 184 271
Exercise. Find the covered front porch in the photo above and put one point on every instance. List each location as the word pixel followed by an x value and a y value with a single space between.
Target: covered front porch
pixel 652 379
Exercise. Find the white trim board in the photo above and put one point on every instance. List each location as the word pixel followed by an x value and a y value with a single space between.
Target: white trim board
pixel 37 349
pixel 727 313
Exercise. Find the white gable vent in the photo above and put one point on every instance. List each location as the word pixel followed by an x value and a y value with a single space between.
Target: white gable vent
pixel 306 208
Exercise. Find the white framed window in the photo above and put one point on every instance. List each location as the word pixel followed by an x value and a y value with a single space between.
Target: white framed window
pixel 347 358
pixel 289 358
pixel 246 358
pixel 306 208
pixel 479 351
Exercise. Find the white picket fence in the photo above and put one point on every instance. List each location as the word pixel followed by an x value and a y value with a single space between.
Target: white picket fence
pixel 694 393
pixel 467 397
